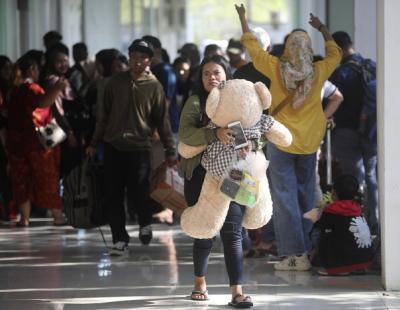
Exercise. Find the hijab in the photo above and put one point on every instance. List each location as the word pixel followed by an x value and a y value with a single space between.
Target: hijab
pixel 296 65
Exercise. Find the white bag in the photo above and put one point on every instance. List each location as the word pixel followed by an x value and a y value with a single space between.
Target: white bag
pixel 51 134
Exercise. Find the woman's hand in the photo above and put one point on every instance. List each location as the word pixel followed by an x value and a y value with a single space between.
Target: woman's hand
pixel 225 135
pixel 61 84
pixel 242 16
pixel 241 10
pixel 315 22
pixel 245 150
pixel 91 151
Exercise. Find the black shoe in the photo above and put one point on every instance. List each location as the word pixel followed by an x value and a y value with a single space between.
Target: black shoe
pixel 145 234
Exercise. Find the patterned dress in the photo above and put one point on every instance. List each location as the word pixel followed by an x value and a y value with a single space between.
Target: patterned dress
pixel 34 170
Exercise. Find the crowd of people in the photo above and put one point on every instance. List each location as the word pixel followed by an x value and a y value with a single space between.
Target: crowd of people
pixel 120 109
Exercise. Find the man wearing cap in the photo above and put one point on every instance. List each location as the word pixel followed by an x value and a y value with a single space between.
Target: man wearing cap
pixel 134 107
pixel 235 51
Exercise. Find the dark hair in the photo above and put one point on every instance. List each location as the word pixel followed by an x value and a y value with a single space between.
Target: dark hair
pixel 106 57
pixel 52 35
pixel 122 58
pixel 78 50
pixel 317 58
pixel 211 49
pixel 38 55
pixel 191 51
pixel 165 56
pixel 277 49
pixel 25 62
pixel 180 60
pixel 4 60
pixel 51 54
pixel 342 39
pixel 200 91
pixel 153 41
pixel 346 187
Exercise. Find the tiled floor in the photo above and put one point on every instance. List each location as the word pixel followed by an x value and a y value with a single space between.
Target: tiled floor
pixel 46 267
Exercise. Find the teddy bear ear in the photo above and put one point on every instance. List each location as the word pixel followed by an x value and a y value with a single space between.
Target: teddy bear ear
pixel 264 94
pixel 212 102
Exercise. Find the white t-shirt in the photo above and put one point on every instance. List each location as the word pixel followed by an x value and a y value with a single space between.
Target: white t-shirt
pixel 327 90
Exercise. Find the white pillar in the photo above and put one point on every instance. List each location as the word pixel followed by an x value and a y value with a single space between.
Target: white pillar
pixel 71 22
pixel 388 147
pixel 9 33
pixel 43 17
pixel 365 27
pixel 101 25
pixel 317 8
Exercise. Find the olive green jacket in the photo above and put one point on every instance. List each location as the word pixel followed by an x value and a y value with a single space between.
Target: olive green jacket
pixel 193 133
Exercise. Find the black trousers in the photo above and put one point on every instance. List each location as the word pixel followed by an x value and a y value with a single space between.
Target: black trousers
pixel 231 234
pixel 124 169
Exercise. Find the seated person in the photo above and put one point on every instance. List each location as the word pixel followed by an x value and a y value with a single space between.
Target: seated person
pixel 345 243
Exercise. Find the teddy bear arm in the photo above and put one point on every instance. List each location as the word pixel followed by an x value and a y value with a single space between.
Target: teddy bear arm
pixel 279 134
pixel 188 151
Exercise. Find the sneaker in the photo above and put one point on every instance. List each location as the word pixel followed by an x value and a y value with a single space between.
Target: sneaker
pixel 119 248
pixel 294 263
pixel 145 234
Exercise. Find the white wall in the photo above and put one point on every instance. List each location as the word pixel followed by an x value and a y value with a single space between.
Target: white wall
pixel 365 27
pixel 388 148
pixel 9 31
pixel 71 21
pixel 101 27
pixel 341 16
pixel 317 8
pixel 43 16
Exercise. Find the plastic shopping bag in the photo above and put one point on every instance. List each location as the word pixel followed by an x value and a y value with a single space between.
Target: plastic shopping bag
pixel 239 184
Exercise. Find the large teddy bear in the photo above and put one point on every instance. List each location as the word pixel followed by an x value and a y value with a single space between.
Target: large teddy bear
pixel 234 100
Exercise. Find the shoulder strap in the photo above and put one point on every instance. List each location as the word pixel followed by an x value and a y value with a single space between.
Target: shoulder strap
pixel 285 101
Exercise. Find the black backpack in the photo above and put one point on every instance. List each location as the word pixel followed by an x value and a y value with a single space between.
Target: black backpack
pixel 367 72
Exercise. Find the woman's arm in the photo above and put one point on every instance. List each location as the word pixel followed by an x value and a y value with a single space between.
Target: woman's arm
pixel 242 16
pixel 190 132
pixel 51 95
pixel 317 24
pixel 262 60
pixel 333 103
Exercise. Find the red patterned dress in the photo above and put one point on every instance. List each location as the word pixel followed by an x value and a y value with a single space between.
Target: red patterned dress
pixel 34 170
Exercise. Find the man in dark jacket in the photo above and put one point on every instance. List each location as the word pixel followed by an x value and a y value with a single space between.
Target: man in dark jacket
pixel 134 107
pixel 356 153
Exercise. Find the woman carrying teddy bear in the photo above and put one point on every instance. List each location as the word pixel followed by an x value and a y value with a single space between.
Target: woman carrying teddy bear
pixel 193 131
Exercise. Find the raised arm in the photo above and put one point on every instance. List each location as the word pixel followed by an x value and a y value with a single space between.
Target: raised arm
pixel 242 16
pixel 317 24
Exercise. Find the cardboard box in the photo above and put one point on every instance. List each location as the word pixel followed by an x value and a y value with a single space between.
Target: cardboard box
pixel 167 189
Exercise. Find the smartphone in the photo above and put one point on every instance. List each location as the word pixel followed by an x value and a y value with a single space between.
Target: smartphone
pixel 229 188
pixel 240 138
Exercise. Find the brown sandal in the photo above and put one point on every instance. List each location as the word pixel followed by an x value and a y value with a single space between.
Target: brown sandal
pixel 203 294
pixel 241 301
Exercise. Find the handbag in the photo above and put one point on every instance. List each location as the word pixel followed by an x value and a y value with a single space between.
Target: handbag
pixel 48 130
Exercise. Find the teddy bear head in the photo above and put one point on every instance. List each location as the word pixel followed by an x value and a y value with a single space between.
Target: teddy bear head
pixel 237 100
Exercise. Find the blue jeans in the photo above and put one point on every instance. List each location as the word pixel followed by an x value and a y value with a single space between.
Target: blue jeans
pixel 292 186
pixel 231 234
pixel 358 156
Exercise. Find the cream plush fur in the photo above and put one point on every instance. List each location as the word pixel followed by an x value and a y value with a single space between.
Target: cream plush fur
pixel 237 100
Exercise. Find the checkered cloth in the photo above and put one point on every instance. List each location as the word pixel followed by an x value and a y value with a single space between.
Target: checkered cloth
pixel 218 157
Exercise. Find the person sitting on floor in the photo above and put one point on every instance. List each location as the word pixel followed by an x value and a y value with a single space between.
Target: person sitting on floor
pixel 345 243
